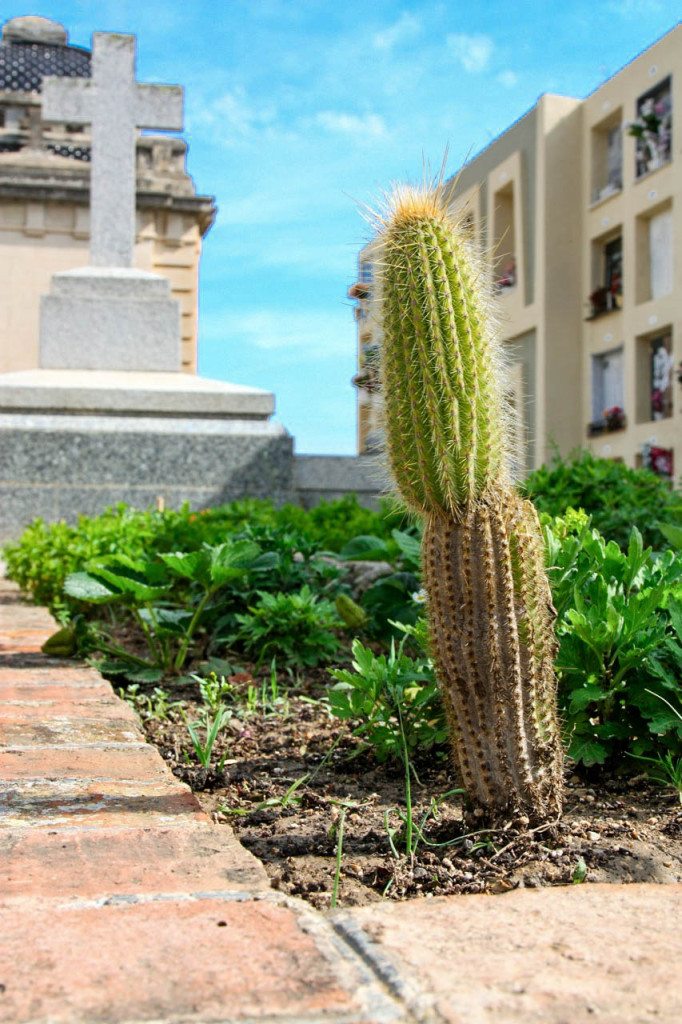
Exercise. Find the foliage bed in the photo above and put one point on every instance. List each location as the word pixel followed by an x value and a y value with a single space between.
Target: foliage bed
pixel 615 496
pixel 157 596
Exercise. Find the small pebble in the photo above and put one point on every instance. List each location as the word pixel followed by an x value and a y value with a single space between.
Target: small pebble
pixel 593 837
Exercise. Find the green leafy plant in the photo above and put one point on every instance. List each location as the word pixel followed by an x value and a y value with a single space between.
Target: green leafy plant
pixel 211 724
pixel 295 628
pixel 666 769
pixel 215 690
pixel 620 642
pixel 157 705
pixel 166 598
pixel 46 554
pixel 394 699
pixel 339 829
pixel 615 496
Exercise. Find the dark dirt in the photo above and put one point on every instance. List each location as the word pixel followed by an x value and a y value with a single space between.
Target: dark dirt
pixel 613 829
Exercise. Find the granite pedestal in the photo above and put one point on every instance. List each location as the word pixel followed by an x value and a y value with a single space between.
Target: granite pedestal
pixel 109 318
pixel 77 441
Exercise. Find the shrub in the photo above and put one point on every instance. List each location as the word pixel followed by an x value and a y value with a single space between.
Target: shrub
pixel 615 496
pixel 619 628
pixel 296 629
pixel 46 554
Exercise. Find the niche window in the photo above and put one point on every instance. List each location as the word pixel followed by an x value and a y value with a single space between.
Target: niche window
pixel 505 240
pixel 607 158
pixel 652 129
pixel 655 376
pixel 655 254
pixel 607 260
pixel 607 392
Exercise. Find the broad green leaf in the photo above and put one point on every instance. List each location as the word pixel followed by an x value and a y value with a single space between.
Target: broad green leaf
pixel 365 548
pixel 231 560
pixel 85 587
pixel 675 612
pixel 673 534
pixel 587 751
pixel 585 695
pixel 134 588
pixel 409 545
pixel 138 674
pixel 185 564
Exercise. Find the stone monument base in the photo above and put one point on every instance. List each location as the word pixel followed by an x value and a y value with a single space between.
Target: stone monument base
pixel 109 318
pixel 77 441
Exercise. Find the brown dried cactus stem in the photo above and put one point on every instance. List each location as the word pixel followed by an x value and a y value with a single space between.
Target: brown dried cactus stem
pixel 491 618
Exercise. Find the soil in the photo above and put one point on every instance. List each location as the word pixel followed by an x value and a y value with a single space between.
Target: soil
pixel 291 772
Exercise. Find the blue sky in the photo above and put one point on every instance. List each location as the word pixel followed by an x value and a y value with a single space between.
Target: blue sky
pixel 297 111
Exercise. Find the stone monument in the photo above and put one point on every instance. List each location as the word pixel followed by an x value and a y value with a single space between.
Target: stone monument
pixel 108 415
pixel 109 316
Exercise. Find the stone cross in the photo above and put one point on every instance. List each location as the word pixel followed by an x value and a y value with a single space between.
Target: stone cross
pixel 114 105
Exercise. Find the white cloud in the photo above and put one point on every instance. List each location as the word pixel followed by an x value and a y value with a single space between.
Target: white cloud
pixel 319 334
pixel 234 114
pixel 635 8
pixel 362 126
pixel 472 52
pixel 406 28
pixel 508 79
pixel 262 207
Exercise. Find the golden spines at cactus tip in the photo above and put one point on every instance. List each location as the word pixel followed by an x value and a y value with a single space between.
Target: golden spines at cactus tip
pixel 444 414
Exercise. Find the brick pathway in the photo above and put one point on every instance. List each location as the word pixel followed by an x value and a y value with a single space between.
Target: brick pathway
pixel 121 902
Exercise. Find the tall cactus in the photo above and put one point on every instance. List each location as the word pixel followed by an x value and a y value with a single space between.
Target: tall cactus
pixel 490 609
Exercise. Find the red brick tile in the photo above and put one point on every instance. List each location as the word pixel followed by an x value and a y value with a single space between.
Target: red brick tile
pixel 64 673
pixel 48 692
pixel 31 711
pixel 23 640
pixel 83 804
pixel 205 960
pixel 135 762
pixel 102 862
pixel 69 731
pixel 25 616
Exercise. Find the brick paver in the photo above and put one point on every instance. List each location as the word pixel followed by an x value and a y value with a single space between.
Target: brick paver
pixel 565 955
pixel 119 899
pixel 121 902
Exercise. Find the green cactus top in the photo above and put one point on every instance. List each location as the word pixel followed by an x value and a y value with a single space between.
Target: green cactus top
pixel 446 423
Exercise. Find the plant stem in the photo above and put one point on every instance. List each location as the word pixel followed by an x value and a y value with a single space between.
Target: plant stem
pixel 339 857
pixel 408 787
pixel 120 652
pixel 184 646
pixel 152 642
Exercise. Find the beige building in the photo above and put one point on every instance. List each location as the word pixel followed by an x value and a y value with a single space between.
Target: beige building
pixel 580 201
pixel 44 181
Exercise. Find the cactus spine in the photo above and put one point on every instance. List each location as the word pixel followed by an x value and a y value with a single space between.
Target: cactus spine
pixel 490 609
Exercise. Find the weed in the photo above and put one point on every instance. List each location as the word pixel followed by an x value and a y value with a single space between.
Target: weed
pixel 579 872
pixel 394 697
pixel 212 724
pixel 156 705
pixel 339 856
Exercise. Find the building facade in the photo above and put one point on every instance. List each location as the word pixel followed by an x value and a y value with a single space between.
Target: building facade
pixel 44 196
pixel 580 204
